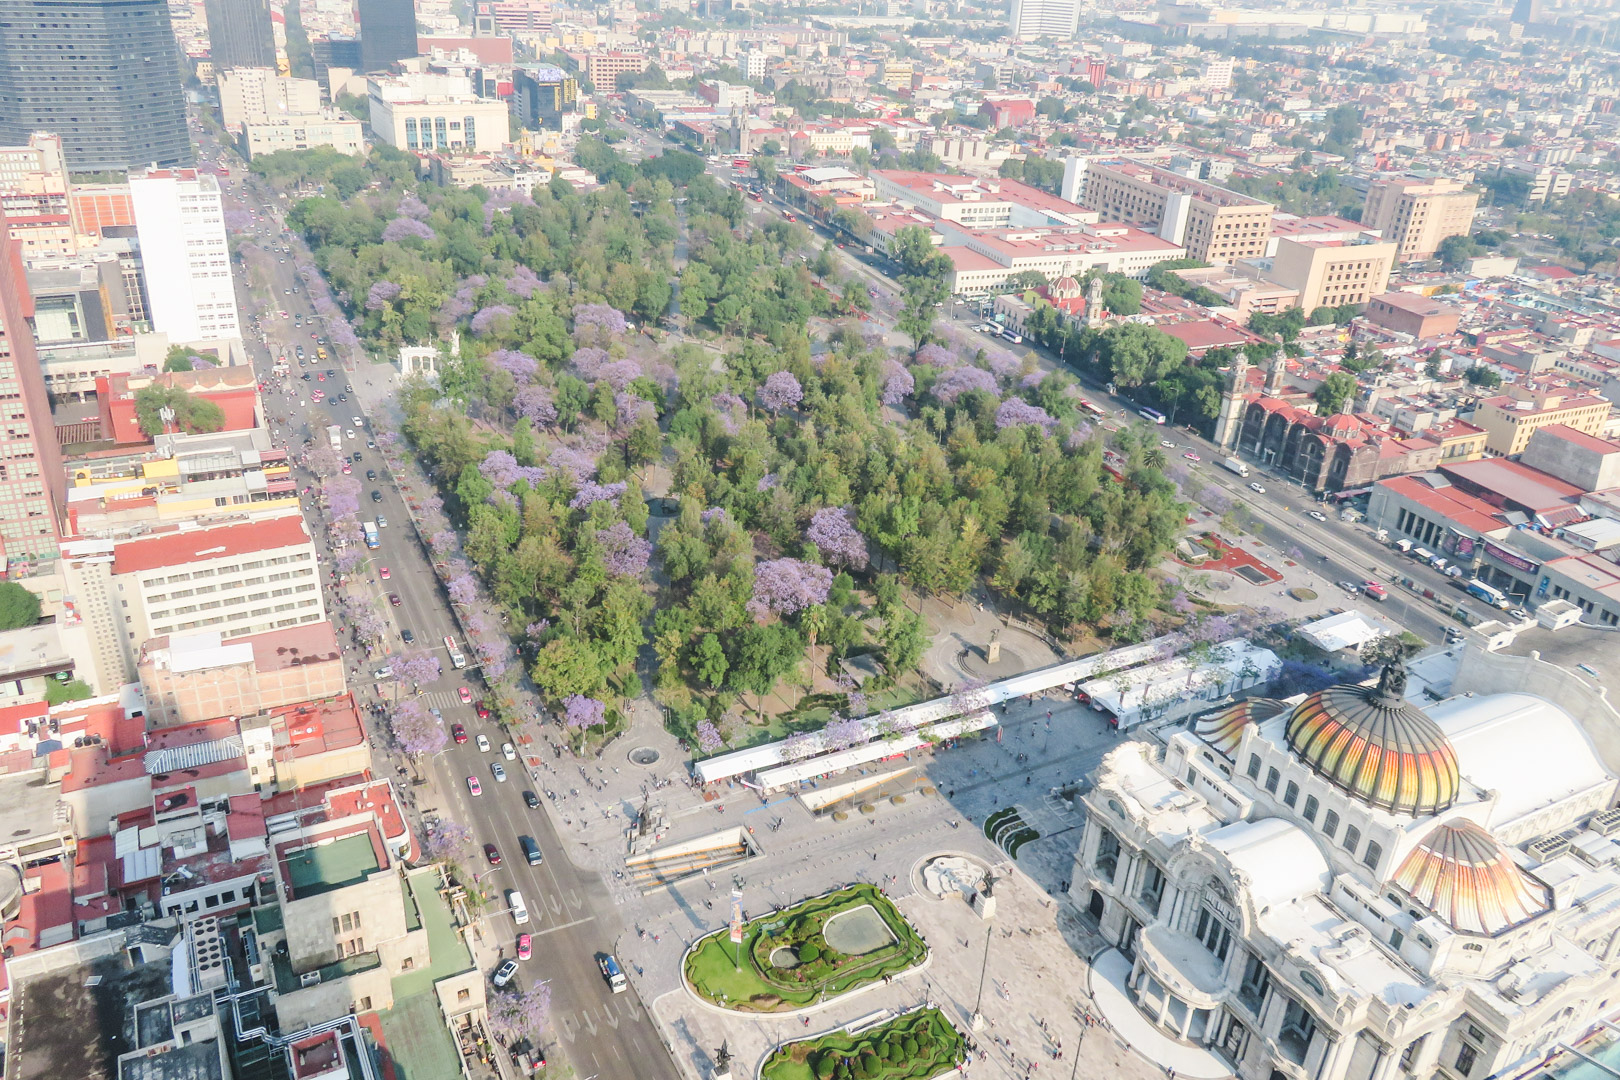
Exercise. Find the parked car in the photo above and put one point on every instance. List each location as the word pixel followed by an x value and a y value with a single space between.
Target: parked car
pixel 493 854
pixel 504 973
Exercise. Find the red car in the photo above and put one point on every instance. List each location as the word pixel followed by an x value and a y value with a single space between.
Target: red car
pixel 385 574
pixel 492 854
pixel 525 946
pixel 483 713
pixel 465 695
pixel 458 733
pixel 393 598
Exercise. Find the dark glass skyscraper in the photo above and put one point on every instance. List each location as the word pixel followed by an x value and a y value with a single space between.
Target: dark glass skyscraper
pixel 387 32
pixel 103 74
pixel 239 34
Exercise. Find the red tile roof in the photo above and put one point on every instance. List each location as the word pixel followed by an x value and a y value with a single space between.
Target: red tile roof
pixel 1449 504
pixel 1581 439
pixel 182 547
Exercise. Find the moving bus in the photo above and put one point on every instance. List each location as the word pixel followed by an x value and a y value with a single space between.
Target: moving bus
pixel 1092 408
pixel 457 660
pixel 1153 415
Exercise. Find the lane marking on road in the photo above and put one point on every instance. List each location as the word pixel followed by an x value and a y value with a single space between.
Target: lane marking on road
pixel 564 926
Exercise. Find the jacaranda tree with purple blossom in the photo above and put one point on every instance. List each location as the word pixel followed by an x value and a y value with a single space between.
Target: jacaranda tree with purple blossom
pixel 709 738
pixel 623 552
pixel 495 318
pixel 581 712
pixel 516 1014
pixel 592 492
pixel 417 730
pixel 958 381
pixel 417 669
pixel 463 589
pixel 789 585
pixel 781 390
pixel 382 294
pixel 449 841
pixel 407 229
pixel 833 532
pixel 1016 412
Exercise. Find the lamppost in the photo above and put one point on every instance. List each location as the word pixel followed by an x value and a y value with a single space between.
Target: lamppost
pixel 976 1022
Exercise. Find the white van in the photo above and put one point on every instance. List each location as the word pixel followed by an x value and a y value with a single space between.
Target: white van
pixel 514 900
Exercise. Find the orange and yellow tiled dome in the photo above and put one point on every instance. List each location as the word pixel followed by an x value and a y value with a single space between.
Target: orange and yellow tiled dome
pixel 1223 728
pixel 1371 743
pixel 1465 877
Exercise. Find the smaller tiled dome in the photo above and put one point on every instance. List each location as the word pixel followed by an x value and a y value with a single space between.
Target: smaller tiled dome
pixel 1223 728
pixel 1462 874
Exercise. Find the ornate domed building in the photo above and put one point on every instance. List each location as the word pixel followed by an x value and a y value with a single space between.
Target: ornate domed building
pixel 1346 886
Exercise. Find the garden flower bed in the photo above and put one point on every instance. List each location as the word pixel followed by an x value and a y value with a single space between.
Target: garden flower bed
pixel 813 951
pixel 917 1046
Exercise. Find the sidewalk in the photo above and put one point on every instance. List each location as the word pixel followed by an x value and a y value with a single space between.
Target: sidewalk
pixel 1030 956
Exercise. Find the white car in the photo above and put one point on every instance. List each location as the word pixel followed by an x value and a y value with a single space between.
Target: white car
pixel 498 771
pixel 483 744
pixel 350 433
pixel 1259 488
pixel 508 751
pixel 1317 515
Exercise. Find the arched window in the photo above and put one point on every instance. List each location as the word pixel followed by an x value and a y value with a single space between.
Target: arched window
pixel 1374 853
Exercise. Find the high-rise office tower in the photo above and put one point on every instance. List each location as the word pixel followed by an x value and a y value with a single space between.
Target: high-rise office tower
pixel 180 223
pixel 103 74
pixel 33 486
pixel 387 32
pixel 1043 18
pixel 239 34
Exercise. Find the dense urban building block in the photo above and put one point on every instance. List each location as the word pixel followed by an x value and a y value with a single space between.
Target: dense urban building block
pixel 102 74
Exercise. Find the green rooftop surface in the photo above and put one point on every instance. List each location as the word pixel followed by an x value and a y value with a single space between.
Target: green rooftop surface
pixel 418 1040
pixel 328 867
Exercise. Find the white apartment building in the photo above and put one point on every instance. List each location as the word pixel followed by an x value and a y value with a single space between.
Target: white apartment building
pixel 1043 18
pixel 180 223
pixel 333 128
pixel 255 95
pixel 430 111
pixel 237 577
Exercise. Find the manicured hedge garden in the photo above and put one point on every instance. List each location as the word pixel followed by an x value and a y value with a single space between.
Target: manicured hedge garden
pixel 917 1046
pixel 712 967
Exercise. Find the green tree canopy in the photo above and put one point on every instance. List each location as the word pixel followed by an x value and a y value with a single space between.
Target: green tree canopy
pixel 19 606
pixel 192 414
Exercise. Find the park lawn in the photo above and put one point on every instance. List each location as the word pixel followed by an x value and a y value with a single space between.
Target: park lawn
pixel 945 1048
pixel 713 972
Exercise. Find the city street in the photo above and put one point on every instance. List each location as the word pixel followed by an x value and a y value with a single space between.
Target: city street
pixel 572 919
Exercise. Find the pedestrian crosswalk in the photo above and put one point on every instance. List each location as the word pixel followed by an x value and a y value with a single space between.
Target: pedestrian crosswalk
pixel 443 700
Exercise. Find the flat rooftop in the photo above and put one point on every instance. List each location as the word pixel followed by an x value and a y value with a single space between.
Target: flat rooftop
pixel 76 1021
pixel 325 867
pixel 28 806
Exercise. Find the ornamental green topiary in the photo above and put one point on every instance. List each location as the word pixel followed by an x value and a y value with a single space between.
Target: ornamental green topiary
pixel 909 1045
pixel 808 953
pixel 826 1062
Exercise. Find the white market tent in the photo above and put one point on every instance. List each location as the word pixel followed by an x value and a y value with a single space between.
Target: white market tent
pixel 757 759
